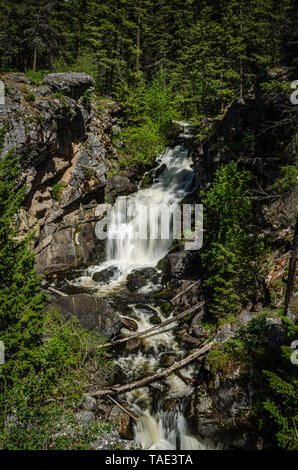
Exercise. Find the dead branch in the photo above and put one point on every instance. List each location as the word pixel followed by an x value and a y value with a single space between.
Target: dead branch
pixel 57 292
pixel 121 407
pixel 185 290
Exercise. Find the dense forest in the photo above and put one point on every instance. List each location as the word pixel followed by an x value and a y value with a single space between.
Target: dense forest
pixel 155 64
pixel 210 51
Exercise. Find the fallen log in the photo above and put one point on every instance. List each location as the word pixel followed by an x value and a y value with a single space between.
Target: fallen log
pixel 121 407
pixel 185 290
pixel 140 383
pixel 154 328
pixel 57 292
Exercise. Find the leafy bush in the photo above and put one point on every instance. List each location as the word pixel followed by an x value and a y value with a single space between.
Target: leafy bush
pixel 141 144
pixel 36 78
pixel 57 190
pixel 148 117
pixel 30 97
pixel 289 178
pixel 37 410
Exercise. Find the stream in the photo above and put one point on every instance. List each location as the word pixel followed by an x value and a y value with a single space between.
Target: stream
pixel 159 406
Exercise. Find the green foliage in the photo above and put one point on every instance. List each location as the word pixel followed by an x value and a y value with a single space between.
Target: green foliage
pixel 282 401
pixel 36 78
pixel 87 97
pixel 148 115
pixel 57 190
pixel 39 406
pixel 283 408
pixel 21 302
pixel 122 164
pixel 231 245
pixel 289 178
pixel 59 95
pixel 30 97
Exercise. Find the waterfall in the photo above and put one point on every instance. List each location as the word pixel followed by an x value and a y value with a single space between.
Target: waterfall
pixel 173 181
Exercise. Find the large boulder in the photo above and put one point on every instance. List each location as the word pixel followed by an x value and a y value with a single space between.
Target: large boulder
pixel 93 313
pixel 67 248
pixel 181 265
pixel 71 84
pixel 118 186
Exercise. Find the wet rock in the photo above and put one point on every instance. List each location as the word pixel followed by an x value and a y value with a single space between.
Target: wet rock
pixel 147 181
pixel 167 359
pixel 133 345
pixel 190 341
pixel 129 323
pixel 159 171
pixel 199 332
pixel 134 281
pixel 181 265
pixel 106 275
pixel 93 314
pixel 166 308
pixel 124 422
pixel 155 320
pixel 170 405
pixel 141 278
pixel 71 84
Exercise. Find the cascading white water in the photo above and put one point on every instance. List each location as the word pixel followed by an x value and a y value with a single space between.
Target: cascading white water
pixel 156 429
pixel 124 247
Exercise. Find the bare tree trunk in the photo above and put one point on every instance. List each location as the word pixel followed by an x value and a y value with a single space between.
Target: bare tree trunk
pixel 292 269
pixel 220 87
pixel 241 79
pixel 35 60
pixel 139 38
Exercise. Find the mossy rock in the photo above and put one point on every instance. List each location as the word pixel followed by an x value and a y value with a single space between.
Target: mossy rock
pixel 155 320
pixel 166 308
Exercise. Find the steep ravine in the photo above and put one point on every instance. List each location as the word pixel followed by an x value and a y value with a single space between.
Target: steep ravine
pixel 122 286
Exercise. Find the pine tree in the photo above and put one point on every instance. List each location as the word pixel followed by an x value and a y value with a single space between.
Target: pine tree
pixel 21 302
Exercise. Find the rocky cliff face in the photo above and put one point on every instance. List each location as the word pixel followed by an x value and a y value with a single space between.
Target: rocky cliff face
pixel 65 145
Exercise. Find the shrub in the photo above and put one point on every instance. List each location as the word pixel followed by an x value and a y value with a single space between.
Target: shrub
pixel 30 97
pixel 38 408
pixel 57 190
pixel 289 178
pixel 36 78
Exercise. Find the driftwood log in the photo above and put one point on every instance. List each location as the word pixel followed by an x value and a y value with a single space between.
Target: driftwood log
pixel 155 328
pixel 140 383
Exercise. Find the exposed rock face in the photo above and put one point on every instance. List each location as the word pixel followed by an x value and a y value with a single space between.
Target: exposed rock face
pixel 181 265
pixel 70 84
pixel 64 143
pixel 93 313
pixel 118 186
